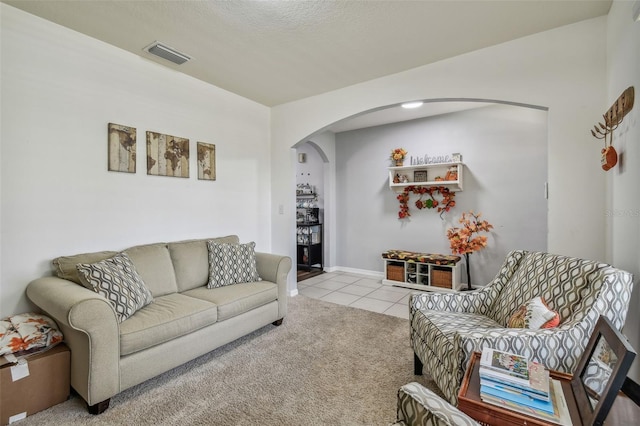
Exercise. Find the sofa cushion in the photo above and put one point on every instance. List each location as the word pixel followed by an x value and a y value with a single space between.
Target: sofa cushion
pixel 237 299
pixel 65 266
pixel 117 280
pixel 231 264
pixel 169 317
pixel 191 261
pixel 153 263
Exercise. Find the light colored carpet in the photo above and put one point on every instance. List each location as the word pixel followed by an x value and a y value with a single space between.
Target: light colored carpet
pixel 326 365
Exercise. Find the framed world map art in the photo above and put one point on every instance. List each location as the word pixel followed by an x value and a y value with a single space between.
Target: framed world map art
pixel 122 148
pixel 206 161
pixel 167 155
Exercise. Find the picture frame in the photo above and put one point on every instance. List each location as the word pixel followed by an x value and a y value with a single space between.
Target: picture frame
pixel 167 155
pixel 121 148
pixel 601 372
pixel 420 176
pixel 206 161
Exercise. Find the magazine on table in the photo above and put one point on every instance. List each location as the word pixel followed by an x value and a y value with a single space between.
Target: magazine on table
pixel 515 370
pixel 517 397
pixel 560 413
pixel 490 382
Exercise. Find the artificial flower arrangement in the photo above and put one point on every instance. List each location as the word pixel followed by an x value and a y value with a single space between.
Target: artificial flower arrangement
pixel 463 241
pixel 398 155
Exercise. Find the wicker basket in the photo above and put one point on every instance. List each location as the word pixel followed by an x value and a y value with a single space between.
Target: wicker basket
pixel 441 277
pixel 395 273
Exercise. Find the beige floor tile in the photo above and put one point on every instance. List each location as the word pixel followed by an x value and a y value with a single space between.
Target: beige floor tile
pixel 398 310
pixel 314 292
pixel 386 295
pixel 369 282
pixel 369 304
pixel 331 284
pixel 356 289
pixel 340 298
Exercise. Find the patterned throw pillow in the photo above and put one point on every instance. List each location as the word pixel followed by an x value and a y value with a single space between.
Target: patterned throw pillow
pixel 534 315
pixel 118 281
pixel 231 264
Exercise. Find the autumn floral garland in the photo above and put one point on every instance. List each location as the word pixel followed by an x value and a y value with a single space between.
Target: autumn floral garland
pixel 443 206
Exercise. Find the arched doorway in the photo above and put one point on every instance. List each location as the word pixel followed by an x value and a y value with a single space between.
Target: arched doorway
pixel 313 201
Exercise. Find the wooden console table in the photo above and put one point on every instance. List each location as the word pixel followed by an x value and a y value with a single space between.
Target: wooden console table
pixel 623 412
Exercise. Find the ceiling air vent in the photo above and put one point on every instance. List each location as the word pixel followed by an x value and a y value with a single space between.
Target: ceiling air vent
pixel 166 52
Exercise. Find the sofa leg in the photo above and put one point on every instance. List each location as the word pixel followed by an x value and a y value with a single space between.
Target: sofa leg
pixel 278 322
pixel 100 407
pixel 417 365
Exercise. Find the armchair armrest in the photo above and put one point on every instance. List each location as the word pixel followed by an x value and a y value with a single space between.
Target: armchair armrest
pixel 418 405
pixel 275 268
pixel 91 330
pixel 557 348
pixel 477 302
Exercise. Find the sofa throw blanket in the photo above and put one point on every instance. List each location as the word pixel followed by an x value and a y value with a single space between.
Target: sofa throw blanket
pixel 25 333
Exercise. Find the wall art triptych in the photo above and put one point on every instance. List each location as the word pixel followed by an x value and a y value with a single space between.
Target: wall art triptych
pixel 167 155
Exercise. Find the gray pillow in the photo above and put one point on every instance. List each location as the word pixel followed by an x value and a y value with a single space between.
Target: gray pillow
pixel 231 264
pixel 117 280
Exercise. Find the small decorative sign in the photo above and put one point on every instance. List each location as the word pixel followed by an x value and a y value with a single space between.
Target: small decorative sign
pixel 437 159
pixel 420 176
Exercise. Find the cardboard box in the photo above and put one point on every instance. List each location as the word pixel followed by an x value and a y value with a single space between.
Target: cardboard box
pixel 46 384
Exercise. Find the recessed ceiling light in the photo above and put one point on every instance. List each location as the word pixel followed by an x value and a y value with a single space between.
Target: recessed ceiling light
pixel 409 105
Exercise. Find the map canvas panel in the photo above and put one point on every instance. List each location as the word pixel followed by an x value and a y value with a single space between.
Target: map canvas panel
pixel 122 148
pixel 167 155
pixel 206 161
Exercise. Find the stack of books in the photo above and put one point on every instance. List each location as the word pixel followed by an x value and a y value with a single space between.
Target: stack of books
pixel 512 381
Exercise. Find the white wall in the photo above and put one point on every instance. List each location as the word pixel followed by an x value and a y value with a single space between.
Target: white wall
pixel 60 89
pixel 556 69
pixel 622 208
pixel 504 150
pixel 311 171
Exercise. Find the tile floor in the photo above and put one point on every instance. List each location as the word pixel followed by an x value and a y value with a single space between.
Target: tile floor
pixel 358 291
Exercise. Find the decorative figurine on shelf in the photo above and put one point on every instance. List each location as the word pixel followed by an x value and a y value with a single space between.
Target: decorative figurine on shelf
pixel 452 173
pixel 396 178
pixel 405 179
pixel 397 155
pixel 462 240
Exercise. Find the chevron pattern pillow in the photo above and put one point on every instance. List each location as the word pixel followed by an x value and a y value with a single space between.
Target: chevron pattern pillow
pixel 231 264
pixel 118 281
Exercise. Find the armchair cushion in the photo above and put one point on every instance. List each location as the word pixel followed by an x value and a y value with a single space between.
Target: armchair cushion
pixel 419 406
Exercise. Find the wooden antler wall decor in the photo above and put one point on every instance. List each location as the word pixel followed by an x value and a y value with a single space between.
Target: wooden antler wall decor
pixel 612 119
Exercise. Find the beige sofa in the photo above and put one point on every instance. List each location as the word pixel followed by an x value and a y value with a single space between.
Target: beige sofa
pixel 185 320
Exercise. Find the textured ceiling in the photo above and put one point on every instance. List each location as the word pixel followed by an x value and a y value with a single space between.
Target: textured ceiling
pixel 275 52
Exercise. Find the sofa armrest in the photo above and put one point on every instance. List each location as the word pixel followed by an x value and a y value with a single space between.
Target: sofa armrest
pixel 91 330
pixel 275 268
pixel 418 405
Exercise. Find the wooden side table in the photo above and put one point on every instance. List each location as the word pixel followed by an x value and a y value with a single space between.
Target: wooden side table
pixel 623 412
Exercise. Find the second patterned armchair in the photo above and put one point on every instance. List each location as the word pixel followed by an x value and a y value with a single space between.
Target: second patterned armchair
pixel 446 328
